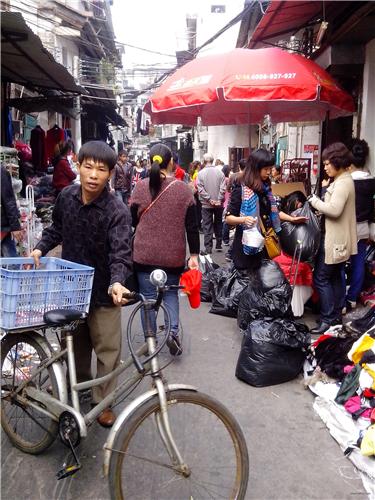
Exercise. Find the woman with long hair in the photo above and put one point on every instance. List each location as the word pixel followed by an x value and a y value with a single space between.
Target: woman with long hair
pixel 252 201
pixel 163 213
pixel 195 167
pixel 63 174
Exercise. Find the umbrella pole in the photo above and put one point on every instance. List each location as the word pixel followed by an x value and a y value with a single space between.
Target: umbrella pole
pixel 318 187
pixel 318 173
pixel 259 134
pixel 249 124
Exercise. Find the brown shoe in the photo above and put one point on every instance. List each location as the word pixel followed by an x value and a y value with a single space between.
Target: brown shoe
pixel 106 418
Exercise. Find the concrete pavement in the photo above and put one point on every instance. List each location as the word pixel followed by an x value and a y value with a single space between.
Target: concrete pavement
pixel 292 455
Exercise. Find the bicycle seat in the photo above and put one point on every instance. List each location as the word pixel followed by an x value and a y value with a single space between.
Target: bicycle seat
pixel 59 317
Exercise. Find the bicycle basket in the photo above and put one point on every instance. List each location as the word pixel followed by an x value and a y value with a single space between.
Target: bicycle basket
pixel 27 294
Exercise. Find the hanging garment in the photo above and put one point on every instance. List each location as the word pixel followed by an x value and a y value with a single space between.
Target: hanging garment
pixel 38 148
pixel 8 126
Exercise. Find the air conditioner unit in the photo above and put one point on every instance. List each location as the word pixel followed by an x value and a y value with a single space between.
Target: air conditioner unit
pixel 17 127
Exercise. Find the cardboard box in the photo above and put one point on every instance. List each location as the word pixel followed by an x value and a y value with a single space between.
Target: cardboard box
pixel 285 188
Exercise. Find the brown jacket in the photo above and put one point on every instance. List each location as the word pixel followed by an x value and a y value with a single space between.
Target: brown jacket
pixel 340 219
pixel 160 237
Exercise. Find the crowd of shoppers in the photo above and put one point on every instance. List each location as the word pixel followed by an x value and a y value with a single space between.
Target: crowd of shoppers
pixel 125 218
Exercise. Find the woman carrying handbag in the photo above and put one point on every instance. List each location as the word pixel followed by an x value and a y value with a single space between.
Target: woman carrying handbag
pixel 253 205
pixel 163 213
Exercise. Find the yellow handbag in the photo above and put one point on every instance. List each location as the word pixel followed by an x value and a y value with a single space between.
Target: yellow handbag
pixel 271 241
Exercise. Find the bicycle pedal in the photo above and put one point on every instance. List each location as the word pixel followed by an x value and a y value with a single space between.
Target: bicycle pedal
pixel 68 471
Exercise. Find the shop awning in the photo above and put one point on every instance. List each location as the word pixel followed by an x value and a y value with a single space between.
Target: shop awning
pixel 24 60
pixel 59 104
pixel 102 112
pixel 282 18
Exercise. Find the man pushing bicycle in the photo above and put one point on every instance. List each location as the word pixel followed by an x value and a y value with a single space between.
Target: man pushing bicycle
pixel 94 228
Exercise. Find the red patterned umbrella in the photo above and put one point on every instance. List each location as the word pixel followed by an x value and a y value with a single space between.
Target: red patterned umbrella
pixel 243 85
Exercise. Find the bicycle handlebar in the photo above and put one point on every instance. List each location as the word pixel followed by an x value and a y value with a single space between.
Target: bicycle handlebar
pixel 132 296
pixel 139 297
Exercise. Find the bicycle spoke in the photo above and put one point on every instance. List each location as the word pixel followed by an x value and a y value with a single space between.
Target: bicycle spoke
pixel 14 363
pixel 219 488
pixel 31 416
pixel 213 472
pixel 148 460
pixel 22 366
pixel 201 487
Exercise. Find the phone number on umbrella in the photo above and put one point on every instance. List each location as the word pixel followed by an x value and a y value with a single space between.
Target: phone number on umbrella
pixel 265 76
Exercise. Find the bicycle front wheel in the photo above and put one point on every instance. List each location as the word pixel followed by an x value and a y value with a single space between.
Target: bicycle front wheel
pixel 209 439
pixel 28 429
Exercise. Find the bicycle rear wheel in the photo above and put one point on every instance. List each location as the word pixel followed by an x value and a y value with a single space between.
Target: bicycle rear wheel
pixel 208 438
pixel 28 429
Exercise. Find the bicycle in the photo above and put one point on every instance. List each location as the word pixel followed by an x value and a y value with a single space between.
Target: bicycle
pixel 154 449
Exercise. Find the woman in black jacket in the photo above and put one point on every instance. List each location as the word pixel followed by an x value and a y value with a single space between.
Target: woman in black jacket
pixel 364 185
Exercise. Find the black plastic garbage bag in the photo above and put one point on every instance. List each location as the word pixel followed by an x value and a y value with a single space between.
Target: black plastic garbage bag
pixel 268 294
pixel 226 288
pixel 308 234
pixel 207 268
pixel 272 352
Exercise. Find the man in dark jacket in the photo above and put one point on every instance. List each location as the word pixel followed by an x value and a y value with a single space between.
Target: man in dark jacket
pixel 122 176
pixel 93 227
pixel 10 217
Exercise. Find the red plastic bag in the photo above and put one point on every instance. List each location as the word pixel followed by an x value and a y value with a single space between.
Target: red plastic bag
pixel 191 281
pixel 24 151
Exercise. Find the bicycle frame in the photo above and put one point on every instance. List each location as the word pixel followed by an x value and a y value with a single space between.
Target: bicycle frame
pixel 53 407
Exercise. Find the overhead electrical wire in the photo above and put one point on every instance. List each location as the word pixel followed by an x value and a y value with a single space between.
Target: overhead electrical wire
pixel 231 23
pixel 162 77
pixel 57 24
pixel 194 53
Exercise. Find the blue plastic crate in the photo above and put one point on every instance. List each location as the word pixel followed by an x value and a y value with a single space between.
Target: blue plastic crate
pixel 27 294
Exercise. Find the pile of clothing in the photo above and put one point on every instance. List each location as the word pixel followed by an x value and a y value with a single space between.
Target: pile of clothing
pixel 341 372
pixel 44 192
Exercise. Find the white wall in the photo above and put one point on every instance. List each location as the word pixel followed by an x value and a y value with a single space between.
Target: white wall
pixel 208 24
pixel 72 52
pixel 222 137
pixel 299 136
pixel 368 97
